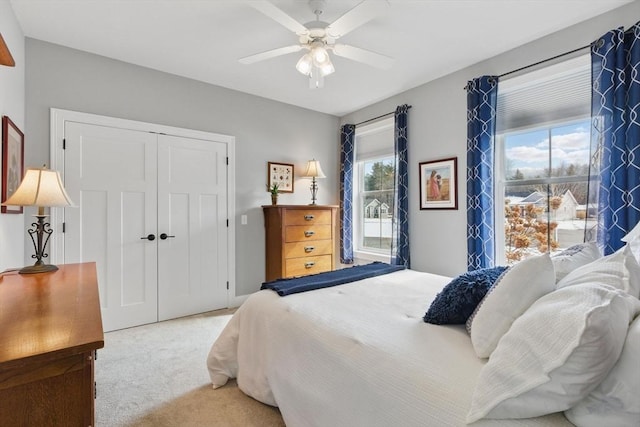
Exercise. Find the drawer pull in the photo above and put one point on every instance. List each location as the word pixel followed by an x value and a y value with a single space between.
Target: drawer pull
pixel 308 217
pixel 309 233
pixel 309 264
pixel 308 249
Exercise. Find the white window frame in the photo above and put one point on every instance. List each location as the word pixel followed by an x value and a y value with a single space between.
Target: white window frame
pixel 500 181
pixel 577 65
pixel 360 252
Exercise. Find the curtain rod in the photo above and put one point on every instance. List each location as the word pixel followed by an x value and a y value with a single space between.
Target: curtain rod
pixel 540 62
pixel 379 117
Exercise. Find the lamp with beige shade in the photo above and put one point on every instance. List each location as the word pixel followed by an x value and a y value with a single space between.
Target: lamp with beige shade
pixel 41 188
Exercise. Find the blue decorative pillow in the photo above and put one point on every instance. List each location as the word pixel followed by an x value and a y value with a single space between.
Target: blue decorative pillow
pixel 460 297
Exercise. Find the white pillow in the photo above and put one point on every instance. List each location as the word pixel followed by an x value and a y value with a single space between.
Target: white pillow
pixel 633 234
pixel 573 257
pixel 555 354
pixel 616 401
pixel 510 296
pixel 634 246
pixel 633 241
pixel 620 270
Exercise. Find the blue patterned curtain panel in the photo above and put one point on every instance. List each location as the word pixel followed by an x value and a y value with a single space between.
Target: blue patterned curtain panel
pixel 615 111
pixel 347 140
pixel 481 124
pixel 400 231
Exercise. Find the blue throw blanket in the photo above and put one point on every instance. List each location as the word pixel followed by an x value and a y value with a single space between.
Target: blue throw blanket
pixel 330 278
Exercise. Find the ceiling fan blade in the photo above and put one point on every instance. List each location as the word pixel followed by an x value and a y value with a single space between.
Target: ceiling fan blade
pixel 362 13
pixel 279 16
pixel 362 55
pixel 270 54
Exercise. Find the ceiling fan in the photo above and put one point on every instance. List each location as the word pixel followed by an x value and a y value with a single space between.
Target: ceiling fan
pixel 318 38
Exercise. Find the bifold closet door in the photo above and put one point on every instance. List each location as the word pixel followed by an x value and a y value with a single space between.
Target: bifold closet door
pixel 111 175
pixel 192 216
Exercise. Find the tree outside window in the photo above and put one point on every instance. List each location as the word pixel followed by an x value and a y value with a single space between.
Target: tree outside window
pixel 377 203
pixel 546 189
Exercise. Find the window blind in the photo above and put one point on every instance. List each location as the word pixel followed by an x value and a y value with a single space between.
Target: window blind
pixel 555 93
pixel 374 141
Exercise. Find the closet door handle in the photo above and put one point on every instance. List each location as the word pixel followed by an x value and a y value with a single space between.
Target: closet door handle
pixel 151 237
pixel 165 236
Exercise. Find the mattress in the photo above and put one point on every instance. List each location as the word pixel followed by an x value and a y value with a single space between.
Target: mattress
pixel 357 354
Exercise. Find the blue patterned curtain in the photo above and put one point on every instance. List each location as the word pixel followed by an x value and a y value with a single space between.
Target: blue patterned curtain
pixel 347 152
pixel 615 109
pixel 400 238
pixel 481 125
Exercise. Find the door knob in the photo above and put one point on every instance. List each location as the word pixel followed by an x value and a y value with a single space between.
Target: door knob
pixel 149 237
pixel 165 236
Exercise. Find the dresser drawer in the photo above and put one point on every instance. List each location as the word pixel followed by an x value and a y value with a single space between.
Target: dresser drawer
pixel 313 248
pixel 307 216
pixel 307 265
pixel 301 233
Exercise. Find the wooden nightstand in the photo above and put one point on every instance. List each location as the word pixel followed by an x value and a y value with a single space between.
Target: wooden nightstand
pixel 50 329
pixel 300 239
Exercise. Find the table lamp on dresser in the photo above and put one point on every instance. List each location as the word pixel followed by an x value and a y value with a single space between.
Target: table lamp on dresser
pixel 313 171
pixel 41 188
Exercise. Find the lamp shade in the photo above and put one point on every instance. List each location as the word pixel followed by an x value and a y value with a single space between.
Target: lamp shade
pixel 313 170
pixel 42 188
pixel 305 64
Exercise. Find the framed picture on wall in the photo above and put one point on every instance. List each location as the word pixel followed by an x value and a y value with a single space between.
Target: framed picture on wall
pixel 12 162
pixel 281 174
pixel 439 184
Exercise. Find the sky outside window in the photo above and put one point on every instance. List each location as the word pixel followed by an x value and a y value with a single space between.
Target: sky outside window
pixel 527 153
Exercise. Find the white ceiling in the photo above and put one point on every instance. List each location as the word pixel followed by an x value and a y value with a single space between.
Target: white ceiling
pixel 203 40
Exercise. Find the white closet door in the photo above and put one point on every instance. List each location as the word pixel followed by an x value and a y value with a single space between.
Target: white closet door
pixel 111 175
pixel 192 209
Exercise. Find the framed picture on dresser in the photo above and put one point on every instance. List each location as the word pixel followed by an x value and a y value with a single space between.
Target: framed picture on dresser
pixel 280 174
pixel 12 162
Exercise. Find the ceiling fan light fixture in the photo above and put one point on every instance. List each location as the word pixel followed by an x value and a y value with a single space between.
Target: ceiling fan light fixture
pixel 327 69
pixel 305 64
pixel 320 56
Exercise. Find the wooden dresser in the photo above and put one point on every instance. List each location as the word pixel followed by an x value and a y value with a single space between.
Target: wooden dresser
pixel 50 329
pixel 300 240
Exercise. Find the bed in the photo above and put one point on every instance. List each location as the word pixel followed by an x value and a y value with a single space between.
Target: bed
pixel 357 354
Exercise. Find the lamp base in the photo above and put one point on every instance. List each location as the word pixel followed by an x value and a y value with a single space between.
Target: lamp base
pixel 38 268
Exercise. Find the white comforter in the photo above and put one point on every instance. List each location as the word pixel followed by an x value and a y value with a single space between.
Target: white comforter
pixel 358 354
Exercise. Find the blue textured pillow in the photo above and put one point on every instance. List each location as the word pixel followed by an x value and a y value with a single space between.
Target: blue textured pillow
pixel 456 302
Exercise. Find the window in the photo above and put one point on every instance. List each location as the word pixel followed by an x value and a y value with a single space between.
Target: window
pixel 542 162
pixel 374 191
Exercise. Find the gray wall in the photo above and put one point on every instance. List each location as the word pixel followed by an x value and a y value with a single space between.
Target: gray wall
pixel 265 130
pixel 438 129
pixel 12 83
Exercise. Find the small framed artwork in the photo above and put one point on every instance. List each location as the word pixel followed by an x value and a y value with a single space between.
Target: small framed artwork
pixel 281 174
pixel 12 162
pixel 439 184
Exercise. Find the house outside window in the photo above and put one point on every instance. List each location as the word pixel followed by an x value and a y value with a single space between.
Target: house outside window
pixel 374 191
pixel 543 142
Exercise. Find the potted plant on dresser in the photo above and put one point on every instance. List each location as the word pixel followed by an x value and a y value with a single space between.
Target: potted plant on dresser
pixel 274 189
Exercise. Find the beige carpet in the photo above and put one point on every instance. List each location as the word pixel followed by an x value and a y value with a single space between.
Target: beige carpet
pixel 156 375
